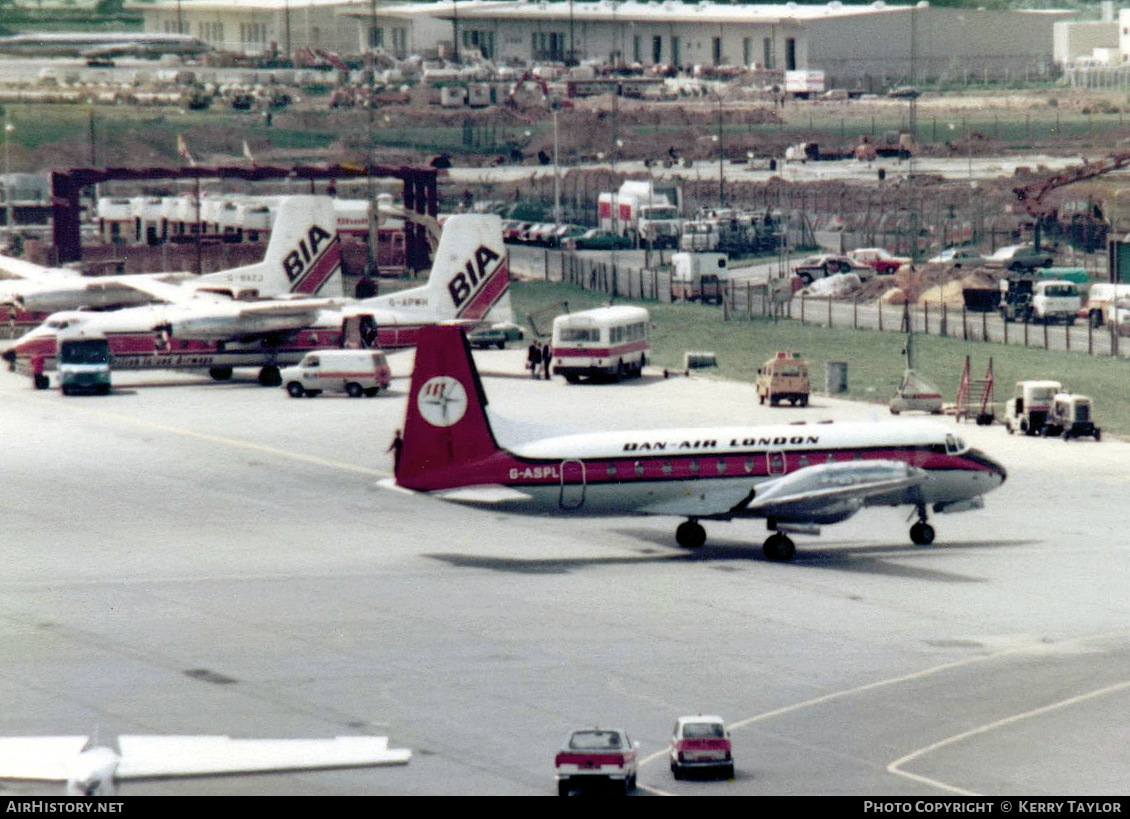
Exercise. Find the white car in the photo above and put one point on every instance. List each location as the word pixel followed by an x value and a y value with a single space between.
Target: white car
pixel 597 755
pixel 700 743
pixel 957 258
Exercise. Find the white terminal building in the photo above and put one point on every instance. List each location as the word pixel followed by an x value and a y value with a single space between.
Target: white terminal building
pixel 857 46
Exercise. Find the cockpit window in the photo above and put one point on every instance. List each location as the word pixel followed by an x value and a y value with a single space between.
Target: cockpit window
pixel 954 445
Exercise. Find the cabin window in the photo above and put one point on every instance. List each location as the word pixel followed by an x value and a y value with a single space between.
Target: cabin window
pixel 666 467
pixel 721 467
pixel 639 469
pixel 611 470
pixel 748 465
pixel 694 466
pixel 802 462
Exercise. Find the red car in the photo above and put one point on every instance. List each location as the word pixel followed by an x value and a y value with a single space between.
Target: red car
pixel 885 263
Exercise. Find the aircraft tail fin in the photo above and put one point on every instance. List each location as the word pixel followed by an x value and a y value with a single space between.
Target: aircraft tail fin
pixel 447 437
pixel 470 276
pixel 303 255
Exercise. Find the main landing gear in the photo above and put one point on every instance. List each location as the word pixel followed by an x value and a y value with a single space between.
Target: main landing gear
pixel 779 547
pixel 270 376
pixel 690 534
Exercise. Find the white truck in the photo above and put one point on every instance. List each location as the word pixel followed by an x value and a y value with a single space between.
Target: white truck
pixel 646 211
pixel 1031 403
pixel 1044 301
pixel 699 276
pixel 1056 300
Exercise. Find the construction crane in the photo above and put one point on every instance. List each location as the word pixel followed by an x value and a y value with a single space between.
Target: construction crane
pixel 1032 195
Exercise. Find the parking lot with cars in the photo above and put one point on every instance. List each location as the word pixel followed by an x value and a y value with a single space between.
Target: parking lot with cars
pixel 193 557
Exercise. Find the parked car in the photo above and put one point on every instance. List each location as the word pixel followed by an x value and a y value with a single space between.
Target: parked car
pixel 819 267
pixel 957 258
pixel 1019 257
pixel 884 262
pixel 597 756
pixel 700 743
pixel 496 335
pixel 597 239
pixel 512 230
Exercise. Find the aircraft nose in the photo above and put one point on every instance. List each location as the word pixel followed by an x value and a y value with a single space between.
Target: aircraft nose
pixel 994 466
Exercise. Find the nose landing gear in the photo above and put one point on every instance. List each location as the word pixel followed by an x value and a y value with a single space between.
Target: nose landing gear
pixel 922 533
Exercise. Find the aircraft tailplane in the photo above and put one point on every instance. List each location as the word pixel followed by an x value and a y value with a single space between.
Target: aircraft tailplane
pixel 446 431
pixel 303 255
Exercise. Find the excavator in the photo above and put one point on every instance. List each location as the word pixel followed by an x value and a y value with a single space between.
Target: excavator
pixel 1032 195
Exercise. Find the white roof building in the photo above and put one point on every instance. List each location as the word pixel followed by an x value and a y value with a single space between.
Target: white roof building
pixel 255 26
pixel 856 46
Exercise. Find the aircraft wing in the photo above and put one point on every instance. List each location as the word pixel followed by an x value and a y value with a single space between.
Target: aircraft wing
pixel 157 288
pixel 287 307
pixel 167 756
pixel 39 758
pixel 810 491
pixel 13 268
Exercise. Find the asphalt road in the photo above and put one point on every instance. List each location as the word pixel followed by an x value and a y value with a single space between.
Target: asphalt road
pixel 189 557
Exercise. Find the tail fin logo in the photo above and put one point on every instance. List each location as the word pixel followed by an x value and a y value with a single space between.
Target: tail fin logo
pixel 295 262
pixel 474 276
pixel 442 401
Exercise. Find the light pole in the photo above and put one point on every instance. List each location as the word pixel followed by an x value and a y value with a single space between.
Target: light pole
pixel 556 174
pixel 8 128
pixel 721 155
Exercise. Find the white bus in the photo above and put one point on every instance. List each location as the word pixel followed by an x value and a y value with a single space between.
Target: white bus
pixel 601 343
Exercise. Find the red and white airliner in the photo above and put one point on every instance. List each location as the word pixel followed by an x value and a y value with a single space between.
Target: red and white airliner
pixel 200 328
pixel 793 476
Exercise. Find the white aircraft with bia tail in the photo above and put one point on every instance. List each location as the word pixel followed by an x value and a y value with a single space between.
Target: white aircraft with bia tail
pixel 795 477
pixel 96 771
pixel 33 292
pixel 469 282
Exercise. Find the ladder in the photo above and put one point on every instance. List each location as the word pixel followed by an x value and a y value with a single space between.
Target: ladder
pixel 975 396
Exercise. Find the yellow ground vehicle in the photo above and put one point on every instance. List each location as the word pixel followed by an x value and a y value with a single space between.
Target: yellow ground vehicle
pixel 783 378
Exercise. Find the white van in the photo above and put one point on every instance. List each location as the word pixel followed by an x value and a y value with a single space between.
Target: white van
pixel 356 372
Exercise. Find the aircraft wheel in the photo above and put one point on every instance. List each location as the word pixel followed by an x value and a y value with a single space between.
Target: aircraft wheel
pixel 369 393
pixel 269 376
pixel 922 534
pixel 41 382
pixel 1098 435
pixel 676 771
pixel 220 373
pixel 562 788
pixel 779 548
pixel 295 390
pixel 690 534
pixel 353 389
